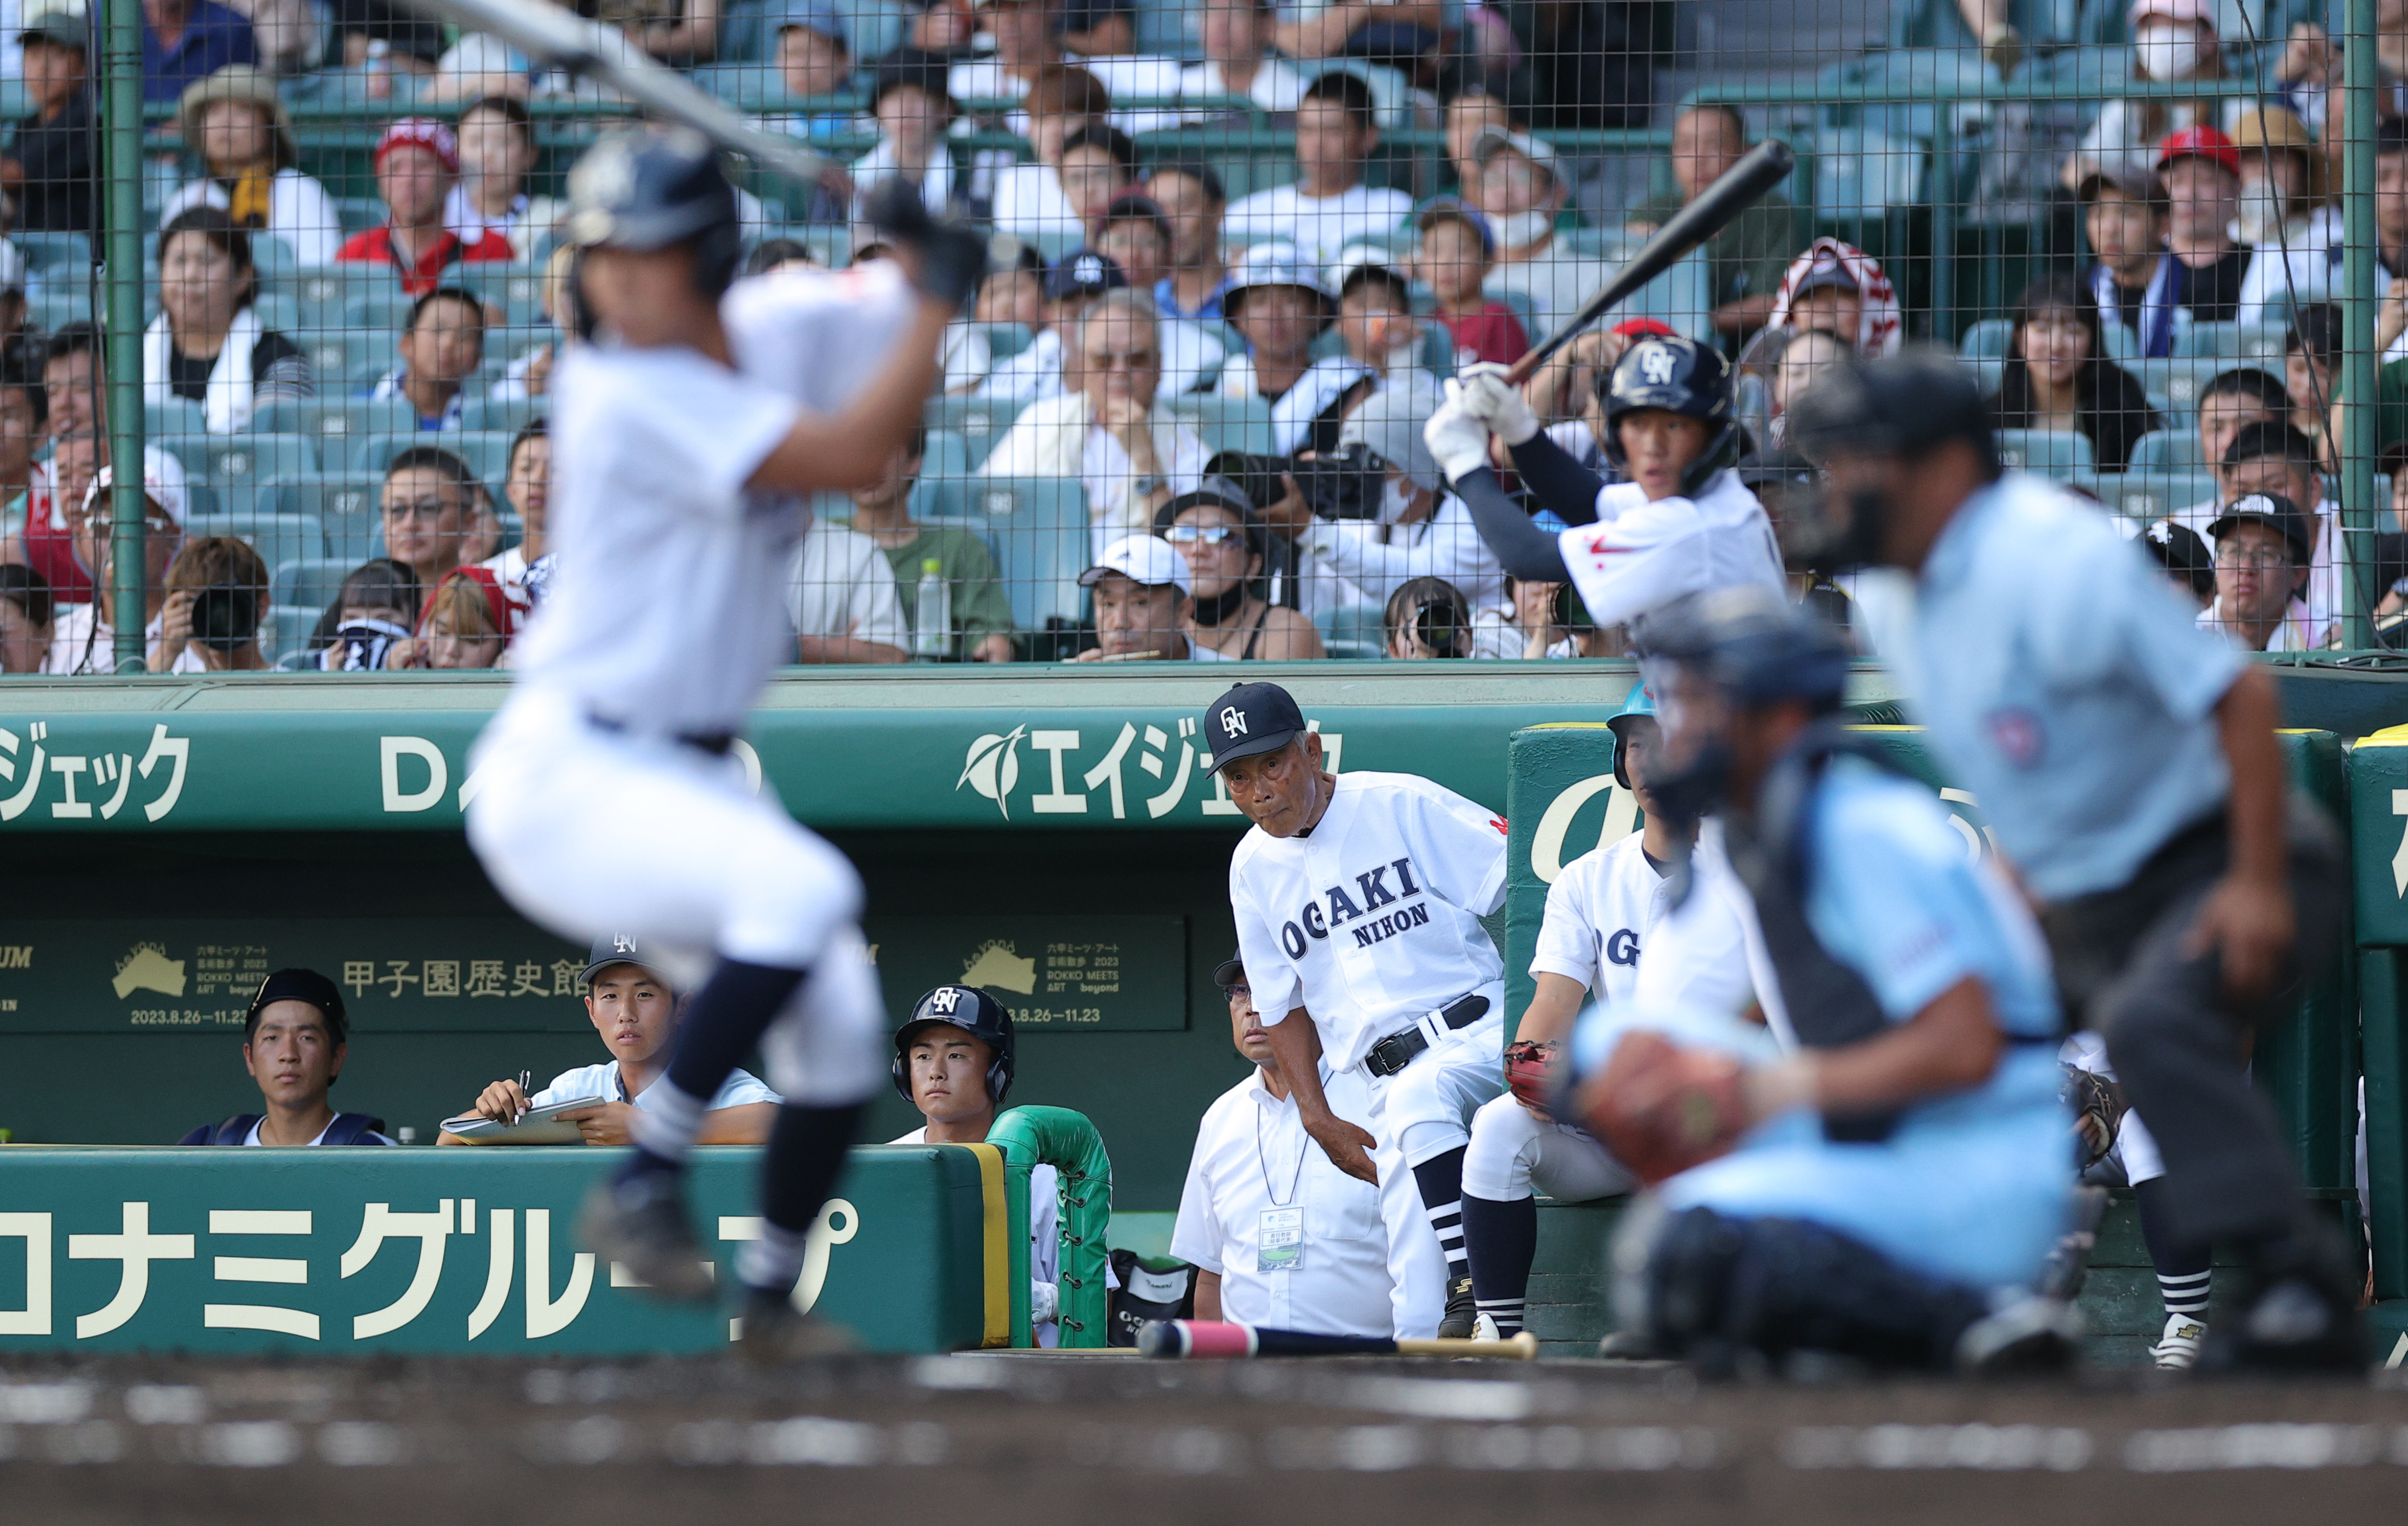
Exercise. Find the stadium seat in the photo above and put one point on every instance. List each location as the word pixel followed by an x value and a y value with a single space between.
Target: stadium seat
pixel 344 504
pixel 307 584
pixel 2055 453
pixel 1862 172
pixel 517 290
pixel 980 420
pixel 55 256
pixel 1356 631
pixel 1005 340
pixel 486 452
pixel 345 359
pixel 278 538
pixel 56 306
pixel 2180 379
pixel 2153 497
pixel 508 417
pixel 2231 343
pixel 1228 424
pixel 2164 450
pixel 947 457
pixel 382 308
pixel 1988 339
pixel 1042 541
pixel 238 464
pixel 178 425
pixel 335 421
pixel 323 290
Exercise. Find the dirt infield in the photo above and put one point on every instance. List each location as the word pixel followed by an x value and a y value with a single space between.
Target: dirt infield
pixel 1009 1439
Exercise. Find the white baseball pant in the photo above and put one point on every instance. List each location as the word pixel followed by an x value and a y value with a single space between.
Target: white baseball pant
pixel 1514 1153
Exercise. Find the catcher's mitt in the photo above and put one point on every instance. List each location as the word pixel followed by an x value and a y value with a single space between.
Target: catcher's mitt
pixel 2098 1105
pixel 1662 1108
pixel 1531 1073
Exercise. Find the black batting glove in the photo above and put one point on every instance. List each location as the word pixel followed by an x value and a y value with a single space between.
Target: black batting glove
pixel 948 257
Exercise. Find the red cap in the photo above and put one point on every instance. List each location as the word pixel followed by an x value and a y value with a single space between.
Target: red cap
pixel 1642 328
pixel 2199 143
pixel 436 138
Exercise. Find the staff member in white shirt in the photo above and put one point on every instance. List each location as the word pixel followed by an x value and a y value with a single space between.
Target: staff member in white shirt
pixel 1358 902
pixel 1278 1235
pixel 635 1012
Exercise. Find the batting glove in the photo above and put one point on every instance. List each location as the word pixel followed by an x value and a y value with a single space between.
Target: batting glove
pixel 951 257
pixel 1458 440
pixel 1488 396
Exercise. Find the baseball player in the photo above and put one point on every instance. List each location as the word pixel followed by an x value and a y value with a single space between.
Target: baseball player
pixel 1358 900
pixel 1682 524
pixel 2128 761
pixel 677 500
pixel 1598 936
pixel 1891 1189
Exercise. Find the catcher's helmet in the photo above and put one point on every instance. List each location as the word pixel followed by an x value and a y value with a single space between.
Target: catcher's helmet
pixel 644 189
pixel 1680 375
pixel 1901 404
pixel 1754 644
pixel 1639 702
pixel 973 1011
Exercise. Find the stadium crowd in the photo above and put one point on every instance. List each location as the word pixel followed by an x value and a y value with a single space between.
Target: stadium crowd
pixel 347 456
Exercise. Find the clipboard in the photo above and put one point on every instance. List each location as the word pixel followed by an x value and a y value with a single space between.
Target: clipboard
pixel 542 1125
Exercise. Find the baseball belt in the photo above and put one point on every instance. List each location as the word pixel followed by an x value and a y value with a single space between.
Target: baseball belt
pixel 716 743
pixel 1402 1047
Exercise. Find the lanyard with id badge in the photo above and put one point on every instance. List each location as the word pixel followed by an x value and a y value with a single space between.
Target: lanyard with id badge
pixel 1279 1241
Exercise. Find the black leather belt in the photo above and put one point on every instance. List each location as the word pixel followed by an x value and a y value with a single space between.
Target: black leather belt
pixel 1399 1049
pixel 716 743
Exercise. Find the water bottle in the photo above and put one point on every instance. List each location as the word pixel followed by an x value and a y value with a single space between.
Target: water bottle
pixel 379 69
pixel 932 625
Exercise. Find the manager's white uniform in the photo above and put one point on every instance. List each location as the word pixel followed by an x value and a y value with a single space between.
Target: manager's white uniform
pixel 1252 1159
pixel 594 807
pixel 1640 556
pixel 1371 924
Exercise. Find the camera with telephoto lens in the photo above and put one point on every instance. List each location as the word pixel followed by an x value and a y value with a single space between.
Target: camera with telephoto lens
pixel 225 616
pixel 1341 484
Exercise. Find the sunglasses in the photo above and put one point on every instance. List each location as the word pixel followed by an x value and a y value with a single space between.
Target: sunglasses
pixel 1194 534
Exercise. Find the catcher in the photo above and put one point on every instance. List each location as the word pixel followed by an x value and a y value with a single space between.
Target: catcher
pixel 1891 1191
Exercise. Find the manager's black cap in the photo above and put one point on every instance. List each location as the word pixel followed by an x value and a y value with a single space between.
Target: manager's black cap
pixel 301 986
pixel 618 948
pixel 1250 719
pixel 1229 972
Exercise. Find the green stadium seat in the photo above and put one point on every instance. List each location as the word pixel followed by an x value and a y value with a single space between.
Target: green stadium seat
pixel 486 452
pixel 508 417
pixel 278 538
pixel 2231 343
pixel 57 305
pixel 180 426
pixel 947 458
pixel 1005 340
pixel 307 584
pixel 54 255
pixel 334 422
pixel 1355 631
pixel 1042 541
pixel 238 464
pixel 2154 496
pixel 1228 424
pixel 344 359
pixel 323 290
pixel 517 290
pixel 1862 172
pixel 2053 452
pixel 979 420
pixel 2165 451
pixel 343 504
pixel 1988 339
pixel 284 637
pixel 383 309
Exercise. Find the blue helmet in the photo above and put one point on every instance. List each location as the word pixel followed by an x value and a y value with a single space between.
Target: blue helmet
pixel 1674 374
pixel 1641 701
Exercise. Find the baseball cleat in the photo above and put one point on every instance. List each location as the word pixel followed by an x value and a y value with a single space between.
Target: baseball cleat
pixel 2297 1325
pixel 2032 1334
pixel 771 1330
pixel 2178 1349
pixel 1461 1311
pixel 641 1222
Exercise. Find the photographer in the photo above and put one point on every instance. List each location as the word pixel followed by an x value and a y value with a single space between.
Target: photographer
pixel 216 599
pixel 1427 618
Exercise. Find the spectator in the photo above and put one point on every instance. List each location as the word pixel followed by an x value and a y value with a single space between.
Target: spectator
pixel 526 483
pixel 417 163
pixel 1129 454
pixel 1145 606
pixel 1062 103
pixel 1341 1286
pixel 976 614
pixel 2228 404
pixel 1014 291
pixel 442 343
pixel 1190 196
pixel 1804 357
pixel 841 597
pixel 184 41
pixel 1071 288
pixel 15 331
pixel 217 601
pixel 1427 618
pixel 23 411
pixel 2190 566
pixel 294 1039
pixel 84 637
pixel 2135 282
pixel 2261 576
pixel 1098 163
pixel 2279 462
pixel 1135 235
pixel 909 100
pixel 1540 620
pixel 1028 41
pixel 466 624
pixel 2171 40
pixel 498 153
pixel 1456 255
pixel 2311 364
pixel 1566 391
pixel 814 58
pixel 1471 111
pixel 679 32
pixel 2201 170
pixel 2284 188
pixel 2058 375
pixel 1281 305
pixel 942 26
pixel 1414 530
pixel 1521 190
pixel 1226 550
pixel 1398 32
pixel 1375 319
pixel 1840 289
pixel 372 612
pixel 26 616
pixel 773 255
pixel 236 123
pixel 1236 36
pixel 74 411
pixel 1988 20
pixel 383 38
pixel 1746 261
pixel 530 374
pixel 52 167
pixel 1098 28
pixel 429 498
pixel 1328 206
pixel 207 344
pixel 635 1013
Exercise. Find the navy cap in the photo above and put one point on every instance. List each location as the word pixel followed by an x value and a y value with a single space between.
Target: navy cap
pixel 1084 272
pixel 298 985
pixel 1229 972
pixel 2276 513
pixel 1250 719
pixel 2182 553
pixel 618 948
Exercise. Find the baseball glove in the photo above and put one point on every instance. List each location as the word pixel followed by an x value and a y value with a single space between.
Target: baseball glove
pixel 2098 1105
pixel 1531 1073
pixel 1662 1109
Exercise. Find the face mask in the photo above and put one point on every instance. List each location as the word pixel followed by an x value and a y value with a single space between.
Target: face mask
pixel 2264 209
pixel 1520 230
pixel 1688 794
pixel 2166 53
pixel 1814 537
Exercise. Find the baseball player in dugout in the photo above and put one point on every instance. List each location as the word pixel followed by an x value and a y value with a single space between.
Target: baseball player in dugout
pixel 1682 524
pixel 691 423
pixel 1891 1189
pixel 2127 761
pixel 1358 900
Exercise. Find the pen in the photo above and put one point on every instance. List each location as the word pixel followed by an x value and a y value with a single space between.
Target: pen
pixel 527 1079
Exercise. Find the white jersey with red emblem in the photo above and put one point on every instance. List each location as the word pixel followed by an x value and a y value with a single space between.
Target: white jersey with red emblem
pixel 1640 556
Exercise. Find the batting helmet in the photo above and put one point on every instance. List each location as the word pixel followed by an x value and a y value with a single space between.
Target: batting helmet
pixel 1639 702
pixel 652 190
pixel 973 1011
pixel 1674 374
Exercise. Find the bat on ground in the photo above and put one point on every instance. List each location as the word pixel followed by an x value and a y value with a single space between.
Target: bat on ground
pixel 1740 187
pixel 558 37
pixel 1178 1339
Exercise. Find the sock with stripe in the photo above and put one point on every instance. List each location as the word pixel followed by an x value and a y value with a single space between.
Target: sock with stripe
pixel 1502 1240
pixel 1441 1180
pixel 2182 1272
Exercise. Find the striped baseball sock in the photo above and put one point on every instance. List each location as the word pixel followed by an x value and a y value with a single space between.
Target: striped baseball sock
pixel 1441 1180
pixel 2182 1272
pixel 2186 1293
pixel 1502 1239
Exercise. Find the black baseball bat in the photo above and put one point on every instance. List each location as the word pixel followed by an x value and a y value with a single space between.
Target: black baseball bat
pixel 1741 187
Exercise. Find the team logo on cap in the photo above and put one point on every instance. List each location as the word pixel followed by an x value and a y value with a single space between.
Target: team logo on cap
pixel 622 943
pixel 1087 270
pixel 943 1000
pixel 1233 722
pixel 1656 365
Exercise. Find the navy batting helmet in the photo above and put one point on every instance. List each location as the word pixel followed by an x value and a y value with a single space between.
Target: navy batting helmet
pixel 1754 644
pixel 1680 375
pixel 646 190
pixel 975 1012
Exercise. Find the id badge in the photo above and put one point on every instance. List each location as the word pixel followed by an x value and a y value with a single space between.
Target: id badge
pixel 1282 1240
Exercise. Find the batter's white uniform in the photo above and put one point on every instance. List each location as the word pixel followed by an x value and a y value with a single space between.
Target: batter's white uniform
pixel 1371 924
pixel 1640 556
pixel 666 616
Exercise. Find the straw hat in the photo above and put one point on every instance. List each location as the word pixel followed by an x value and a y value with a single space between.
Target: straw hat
pixel 2277 127
pixel 237 83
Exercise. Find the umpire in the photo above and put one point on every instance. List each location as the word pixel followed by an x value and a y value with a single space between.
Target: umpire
pixel 2128 760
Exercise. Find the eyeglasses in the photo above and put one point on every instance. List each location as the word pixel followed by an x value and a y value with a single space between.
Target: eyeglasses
pixel 1112 360
pixel 1192 534
pixel 422 508
pixel 2263 558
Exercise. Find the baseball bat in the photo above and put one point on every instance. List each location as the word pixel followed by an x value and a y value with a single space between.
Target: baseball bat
pixel 1740 187
pixel 556 35
pixel 1179 1338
